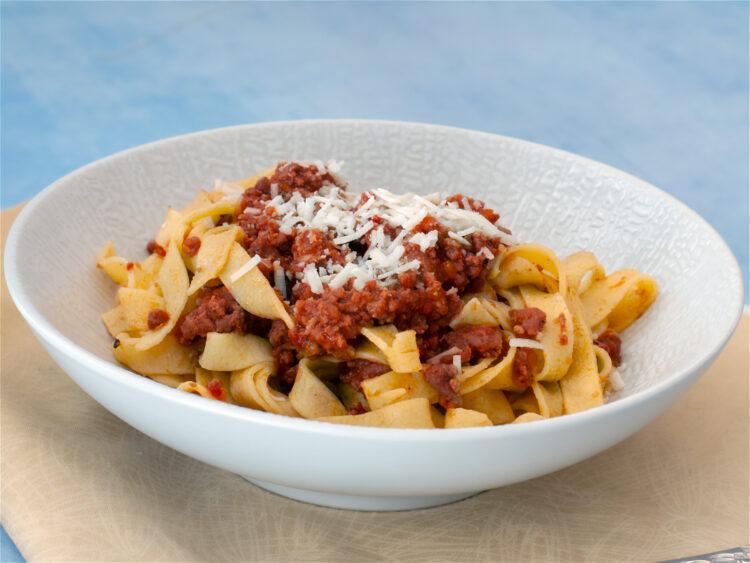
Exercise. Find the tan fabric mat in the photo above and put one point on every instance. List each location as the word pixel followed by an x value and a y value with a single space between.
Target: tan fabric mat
pixel 80 485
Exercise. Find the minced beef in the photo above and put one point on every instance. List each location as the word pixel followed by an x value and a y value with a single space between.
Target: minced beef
pixel 216 310
pixel 155 248
pixel 443 377
pixel 465 202
pixel 305 180
pixel 425 299
pixel 528 322
pixel 611 343
pixel 256 196
pixel 524 365
pixel 283 351
pixel 264 238
pixel 355 371
pixel 191 245
pixel 476 342
pixel 288 179
pixel 329 323
pixel 157 318
pixel 312 247
pixel 454 265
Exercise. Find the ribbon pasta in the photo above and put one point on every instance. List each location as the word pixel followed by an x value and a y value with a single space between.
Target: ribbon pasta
pixel 522 346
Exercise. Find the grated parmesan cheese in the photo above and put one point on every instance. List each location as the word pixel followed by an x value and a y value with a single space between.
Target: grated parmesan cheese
pixel 525 343
pixel 311 277
pixel 246 267
pixel 279 278
pixel 334 210
pixel 616 381
pixel 457 364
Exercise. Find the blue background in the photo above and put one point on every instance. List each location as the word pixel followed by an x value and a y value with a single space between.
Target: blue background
pixel 659 90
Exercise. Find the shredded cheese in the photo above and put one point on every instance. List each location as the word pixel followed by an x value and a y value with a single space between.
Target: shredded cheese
pixel 339 214
pixel 312 278
pixel 457 364
pixel 525 343
pixel 246 267
pixel 279 278
pixel 616 381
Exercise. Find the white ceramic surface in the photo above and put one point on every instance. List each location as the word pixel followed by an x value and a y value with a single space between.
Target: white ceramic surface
pixel 544 195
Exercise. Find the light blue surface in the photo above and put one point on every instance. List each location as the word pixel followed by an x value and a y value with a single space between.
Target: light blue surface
pixel 659 90
pixel 8 551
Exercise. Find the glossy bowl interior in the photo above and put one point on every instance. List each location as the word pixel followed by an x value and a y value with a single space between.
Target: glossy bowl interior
pixel 544 195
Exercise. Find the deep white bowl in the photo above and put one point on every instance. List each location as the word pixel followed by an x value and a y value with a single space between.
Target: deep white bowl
pixel 544 195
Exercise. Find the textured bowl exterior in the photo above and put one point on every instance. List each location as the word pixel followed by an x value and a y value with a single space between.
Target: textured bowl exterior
pixel 544 195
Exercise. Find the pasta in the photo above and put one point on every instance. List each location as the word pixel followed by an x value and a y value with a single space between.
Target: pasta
pixel 287 293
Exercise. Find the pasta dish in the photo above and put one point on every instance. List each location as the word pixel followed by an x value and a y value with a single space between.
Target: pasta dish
pixel 288 293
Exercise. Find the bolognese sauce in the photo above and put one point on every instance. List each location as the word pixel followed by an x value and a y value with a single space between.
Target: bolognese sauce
pixel 328 319
pixel 416 295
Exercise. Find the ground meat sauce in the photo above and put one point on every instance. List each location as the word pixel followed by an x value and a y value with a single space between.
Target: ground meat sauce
pixel 611 343
pixel 263 236
pixel 327 322
pixel 476 342
pixel 216 311
pixel 443 377
pixel 191 245
pixel 528 322
pixel 284 352
pixel 475 205
pixel 524 366
pixel 157 318
pixel 354 372
pixel 312 247
pixel 154 248
pixel 299 178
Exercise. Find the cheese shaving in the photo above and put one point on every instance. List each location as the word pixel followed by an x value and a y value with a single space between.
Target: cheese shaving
pixel 615 381
pixel 246 267
pixel 525 343
pixel 368 222
pixel 279 278
pixel 311 277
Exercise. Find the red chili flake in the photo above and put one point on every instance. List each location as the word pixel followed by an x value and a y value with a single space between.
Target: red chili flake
pixel 216 389
pixel 154 248
pixel 157 318
pixel 129 266
pixel 563 335
pixel 377 219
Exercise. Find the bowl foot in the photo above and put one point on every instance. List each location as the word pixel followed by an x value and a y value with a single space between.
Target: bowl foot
pixel 355 502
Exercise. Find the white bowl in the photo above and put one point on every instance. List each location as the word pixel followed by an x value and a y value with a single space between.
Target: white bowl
pixel 544 195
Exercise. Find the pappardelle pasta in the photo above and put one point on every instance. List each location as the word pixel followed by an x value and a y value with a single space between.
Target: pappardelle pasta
pixel 287 293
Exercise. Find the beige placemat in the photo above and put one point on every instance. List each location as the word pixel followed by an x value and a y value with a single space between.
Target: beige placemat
pixel 78 484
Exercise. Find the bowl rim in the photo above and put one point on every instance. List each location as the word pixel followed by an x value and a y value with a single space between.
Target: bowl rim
pixel 119 375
